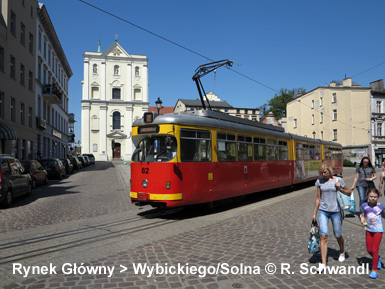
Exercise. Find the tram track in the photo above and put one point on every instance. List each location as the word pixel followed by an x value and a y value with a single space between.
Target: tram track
pixel 45 245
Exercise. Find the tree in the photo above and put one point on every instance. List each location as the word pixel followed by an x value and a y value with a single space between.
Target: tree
pixel 277 105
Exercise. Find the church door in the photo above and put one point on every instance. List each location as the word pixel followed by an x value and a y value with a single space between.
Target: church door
pixel 116 151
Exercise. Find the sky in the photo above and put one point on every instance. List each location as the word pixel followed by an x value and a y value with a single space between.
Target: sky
pixel 275 43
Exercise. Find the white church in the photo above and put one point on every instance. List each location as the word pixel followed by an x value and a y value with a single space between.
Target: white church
pixel 115 93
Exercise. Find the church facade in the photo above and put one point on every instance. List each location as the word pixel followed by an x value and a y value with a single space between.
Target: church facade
pixel 115 93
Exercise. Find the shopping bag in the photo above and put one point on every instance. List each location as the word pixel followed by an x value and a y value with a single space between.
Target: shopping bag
pixel 313 245
pixel 352 208
pixel 344 201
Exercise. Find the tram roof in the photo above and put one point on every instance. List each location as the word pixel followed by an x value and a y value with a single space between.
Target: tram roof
pixel 210 118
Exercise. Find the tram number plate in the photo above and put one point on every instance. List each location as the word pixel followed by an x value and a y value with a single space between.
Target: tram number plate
pixel 145 170
pixel 141 196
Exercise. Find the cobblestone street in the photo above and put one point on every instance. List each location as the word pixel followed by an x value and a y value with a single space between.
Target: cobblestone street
pixel 271 231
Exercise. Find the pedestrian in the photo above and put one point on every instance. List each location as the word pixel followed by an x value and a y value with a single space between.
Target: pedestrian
pixel 327 206
pixel 364 173
pixel 383 166
pixel 381 185
pixel 371 213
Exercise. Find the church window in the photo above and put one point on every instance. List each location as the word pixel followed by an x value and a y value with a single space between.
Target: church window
pixel 116 93
pixel 137 94
pixel 116 70
pixel 95 92
pixel 116 120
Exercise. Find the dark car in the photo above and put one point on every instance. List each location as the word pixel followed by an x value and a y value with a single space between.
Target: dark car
pixel 84 163
pixel 86 160
pixel 91 158
pixel 14 180
pixel 54 168
pixel 37 172
pixel 76 163
pixel 68 165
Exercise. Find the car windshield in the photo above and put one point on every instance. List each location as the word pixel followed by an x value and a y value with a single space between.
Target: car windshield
pixel 155 149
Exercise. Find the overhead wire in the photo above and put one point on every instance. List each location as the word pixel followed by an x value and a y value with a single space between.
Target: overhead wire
pixel 173 42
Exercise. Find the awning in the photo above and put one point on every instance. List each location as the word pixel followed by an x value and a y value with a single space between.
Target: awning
pixel 7 132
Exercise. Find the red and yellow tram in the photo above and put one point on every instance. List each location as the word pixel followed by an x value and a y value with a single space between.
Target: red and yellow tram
pixel 202 156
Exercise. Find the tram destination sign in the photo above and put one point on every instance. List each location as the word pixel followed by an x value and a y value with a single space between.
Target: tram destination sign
pixel 148 129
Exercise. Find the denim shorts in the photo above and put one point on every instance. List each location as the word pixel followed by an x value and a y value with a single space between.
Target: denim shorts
pixel 323 218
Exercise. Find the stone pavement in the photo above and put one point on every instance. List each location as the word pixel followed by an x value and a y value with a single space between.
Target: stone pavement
pixel 273 232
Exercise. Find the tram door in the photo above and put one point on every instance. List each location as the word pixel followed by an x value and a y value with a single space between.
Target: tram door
pixel 116 154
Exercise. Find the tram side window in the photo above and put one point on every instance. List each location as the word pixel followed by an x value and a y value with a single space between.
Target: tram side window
pixel 226 147
pixel 272 150
pixel 283 153
pixel 328 153
pixel 299 155
pixel 245 149
pixel 259 149
pixel 195 145
pixel 317 152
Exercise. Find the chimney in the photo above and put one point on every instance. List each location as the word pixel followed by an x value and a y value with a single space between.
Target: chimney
pixel 347 81
pixel 377 85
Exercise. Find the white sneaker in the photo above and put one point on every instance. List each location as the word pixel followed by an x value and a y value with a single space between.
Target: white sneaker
pixel 341 258
pixel 321 268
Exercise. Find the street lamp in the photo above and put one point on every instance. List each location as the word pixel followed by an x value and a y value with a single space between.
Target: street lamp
pixel 158 104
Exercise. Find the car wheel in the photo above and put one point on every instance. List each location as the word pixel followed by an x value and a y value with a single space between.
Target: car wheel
pixel 29 189
pixel 8 199
pixel 33 183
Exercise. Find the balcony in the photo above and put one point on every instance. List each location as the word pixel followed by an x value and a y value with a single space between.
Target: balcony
pixel 52 94
pixel 41 123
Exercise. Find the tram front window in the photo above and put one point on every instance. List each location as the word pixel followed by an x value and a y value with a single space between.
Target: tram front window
pixel 155 149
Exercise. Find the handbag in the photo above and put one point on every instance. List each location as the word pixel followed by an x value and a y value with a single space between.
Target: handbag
pixel 313 245
pixel 371 184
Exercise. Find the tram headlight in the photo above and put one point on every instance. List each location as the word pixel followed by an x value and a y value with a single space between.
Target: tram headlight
pixel 168 184
pixel 145 183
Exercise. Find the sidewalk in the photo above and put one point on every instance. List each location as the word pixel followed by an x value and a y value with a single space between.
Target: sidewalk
pixel 271 236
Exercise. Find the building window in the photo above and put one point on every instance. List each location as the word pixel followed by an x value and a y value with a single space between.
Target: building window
pixel 22 33
pixel 116 70
pixel 137 71
pixel 334 97
pixel 321 117
pixel 1 58
pixel 334 134
pixel 30 117
pixel 320 101
pixel 116 93
pixel 95 147
pixel 379 129
pixel 378 106
pixel 13 104
pixel 30 44
pixel 22 74
pixel 314 134
pixel 39 40
pixel 312 119
pixel 12 68
pixel 334 114
pixel 22 120
pixel 295 123
pixel 30 80
pixel 13 23
pixel 116 120
pixel 312 104
pixel 322 135
pixel 1 104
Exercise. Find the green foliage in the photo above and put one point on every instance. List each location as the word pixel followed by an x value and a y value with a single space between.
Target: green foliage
pixel 348 163
pixel 277 105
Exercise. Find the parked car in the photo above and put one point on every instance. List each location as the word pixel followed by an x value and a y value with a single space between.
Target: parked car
pixel 68 165
pixel 37 172
pixel 14 180
pixel 91 158
pixel 76 163
pixel 54 168
pixel 84 163
pixel 86 160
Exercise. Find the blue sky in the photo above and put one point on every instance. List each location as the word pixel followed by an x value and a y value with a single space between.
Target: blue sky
pixel 280 43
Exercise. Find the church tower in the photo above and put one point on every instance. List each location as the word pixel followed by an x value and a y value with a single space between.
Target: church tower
pixel 115 93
